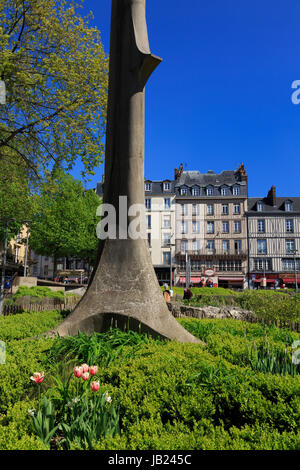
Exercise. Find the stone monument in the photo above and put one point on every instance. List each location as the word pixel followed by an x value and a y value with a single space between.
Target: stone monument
pixel 124 290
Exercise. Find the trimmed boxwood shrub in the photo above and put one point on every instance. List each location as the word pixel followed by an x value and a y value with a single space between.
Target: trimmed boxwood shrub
pixel 172 396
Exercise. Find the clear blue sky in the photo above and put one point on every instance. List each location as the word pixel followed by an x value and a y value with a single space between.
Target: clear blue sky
pixel 222 94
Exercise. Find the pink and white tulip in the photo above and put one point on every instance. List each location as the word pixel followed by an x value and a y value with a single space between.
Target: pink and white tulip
pixel 85 376
pixel 85 368
pixel 78 371
pixel 37 377
pixel 95 386
pixel 93 370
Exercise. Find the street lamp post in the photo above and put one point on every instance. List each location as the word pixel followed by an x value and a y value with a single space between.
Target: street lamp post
pixel 26 249
pixel 295 270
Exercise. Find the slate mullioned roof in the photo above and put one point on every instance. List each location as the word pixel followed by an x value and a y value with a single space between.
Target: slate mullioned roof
pixel 192 178
pixel 279 208
pixel 157 188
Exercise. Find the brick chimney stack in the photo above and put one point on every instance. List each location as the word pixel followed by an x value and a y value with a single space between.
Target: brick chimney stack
pixel 178 173
pixel 272 196
pixel 242 172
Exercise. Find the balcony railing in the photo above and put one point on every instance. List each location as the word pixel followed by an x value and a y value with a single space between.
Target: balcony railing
pixel 206 252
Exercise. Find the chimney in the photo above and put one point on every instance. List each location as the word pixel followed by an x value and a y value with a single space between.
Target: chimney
pixel 271 197
pixel 178 173
pixel 242 172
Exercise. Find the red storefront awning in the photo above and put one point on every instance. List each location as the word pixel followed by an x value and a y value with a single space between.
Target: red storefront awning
pixel 233 279
pixel 289 280
pixel 261 279
pixel 196 280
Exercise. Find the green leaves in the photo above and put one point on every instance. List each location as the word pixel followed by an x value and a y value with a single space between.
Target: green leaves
pixel 44 421
pixel 56 74
pixel 64 219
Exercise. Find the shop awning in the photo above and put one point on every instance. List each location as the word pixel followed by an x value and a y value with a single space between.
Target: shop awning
pixel 261 279
pixel 182 279
pixel 233 279
pixel 196 280
pixel 289 280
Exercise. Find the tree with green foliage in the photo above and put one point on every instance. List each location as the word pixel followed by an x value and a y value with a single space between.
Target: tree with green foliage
pixel 56 76
pixel 15 200
pixel 64 219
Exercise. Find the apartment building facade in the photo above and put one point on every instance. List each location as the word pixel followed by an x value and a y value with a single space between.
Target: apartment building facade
pixel 211 229
pixel 160 227
pixel 273 240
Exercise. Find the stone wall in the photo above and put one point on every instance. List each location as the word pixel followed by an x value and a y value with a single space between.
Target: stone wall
pixel 179 310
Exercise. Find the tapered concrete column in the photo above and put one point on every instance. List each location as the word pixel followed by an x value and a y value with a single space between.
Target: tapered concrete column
pixel 124 290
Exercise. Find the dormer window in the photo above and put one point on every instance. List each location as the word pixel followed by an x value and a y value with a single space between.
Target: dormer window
pixel 260 207
pixel 288 206
pixel 183 191
pixel 236 190
pixel 224 191
pixel 148 186
pixel 196 191
pixel 167 186
pixel 209 191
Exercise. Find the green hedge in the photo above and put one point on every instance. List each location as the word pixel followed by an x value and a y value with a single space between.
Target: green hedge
pixel 172 395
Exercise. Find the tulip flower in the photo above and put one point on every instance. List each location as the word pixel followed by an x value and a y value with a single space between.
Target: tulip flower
pixel 37 377
pixel 108 399
pixel 93 370
pixel 85 375
pixel 95 386
pixel 78 371
pixel 85 368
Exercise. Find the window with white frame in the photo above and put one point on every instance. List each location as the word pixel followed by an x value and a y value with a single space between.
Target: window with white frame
pixel 196 191
pixel 237 226
pixel 290 246
pixel 167 186
pixel 224 191
pixel 262 264
pixel 148 186
pixel 166 238
pixel 148 221
pixel 184 227
pixel 289 225
pixel 230 265
pixel 195 209
pixel 166 257
pixel 166 221
pixel 260 207
pixel 183 191
pixel 237 209
pixel 288 206
pixel 236 190
pixel 210 246
pixel 196 227
pixel 196 245
pixel 237 246
pixel 210 227
pixel 262 247
pixel 225 246
pixel 167 203
pixel 261 226
pixel 225 209
pixel 148 203
pixel 210 209
pixel 288 264
pixel 209 191
pixel 225 227
pixel 184 209
pixel 184 246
